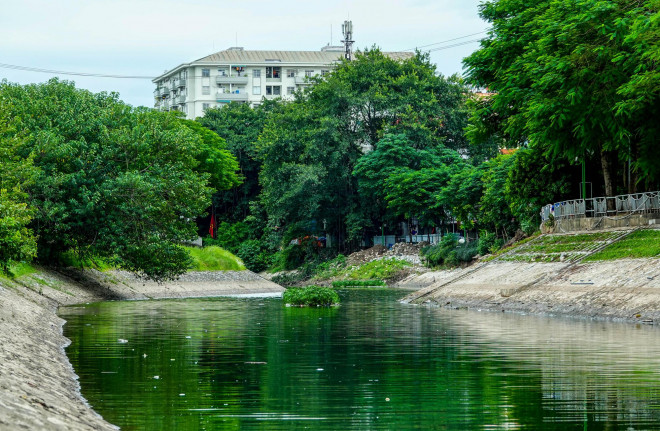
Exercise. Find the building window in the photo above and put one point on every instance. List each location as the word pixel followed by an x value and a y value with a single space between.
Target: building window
pixel 324 72
pixel 273 90
pixel 273 71
pixel 205 106
pixel 206 73
pixel 290 90
pixel 256 89
pixel 206 90
pixel 222 71
pixel 291 73
pixel 256 73
pixel 309 73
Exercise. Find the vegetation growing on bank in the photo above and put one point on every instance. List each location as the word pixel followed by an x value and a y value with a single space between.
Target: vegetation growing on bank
pixel 213 259
pixel 311 296
pixel 358 283
pixel 640 244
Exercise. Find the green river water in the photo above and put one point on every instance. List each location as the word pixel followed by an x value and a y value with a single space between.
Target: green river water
pixel 370 364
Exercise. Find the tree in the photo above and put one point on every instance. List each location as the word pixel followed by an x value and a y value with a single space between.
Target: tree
pixel 534 181
pixel 114 182
pixel 311 147
pixel 553 66
pixel 240 126
pixel 17 242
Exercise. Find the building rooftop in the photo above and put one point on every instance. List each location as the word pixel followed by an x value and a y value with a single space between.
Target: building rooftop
pixel 237 55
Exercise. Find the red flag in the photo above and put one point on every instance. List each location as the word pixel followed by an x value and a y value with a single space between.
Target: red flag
pixel 212 226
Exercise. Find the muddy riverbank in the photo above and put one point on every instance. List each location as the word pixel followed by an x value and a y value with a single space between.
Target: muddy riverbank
pixel 38 386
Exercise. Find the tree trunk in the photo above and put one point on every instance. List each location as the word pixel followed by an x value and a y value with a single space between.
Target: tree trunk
pixel 607 162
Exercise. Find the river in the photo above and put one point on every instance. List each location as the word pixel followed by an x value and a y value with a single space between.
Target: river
pixel 370 364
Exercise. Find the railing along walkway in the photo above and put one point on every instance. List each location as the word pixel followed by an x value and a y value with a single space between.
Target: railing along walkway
pixel 637 203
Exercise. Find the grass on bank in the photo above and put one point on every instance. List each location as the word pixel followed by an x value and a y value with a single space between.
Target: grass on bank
pixel 214 258
pixel 381 269
pixel 640 244
pixel 358 283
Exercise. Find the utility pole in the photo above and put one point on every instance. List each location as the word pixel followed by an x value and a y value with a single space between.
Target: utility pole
pixel 347 30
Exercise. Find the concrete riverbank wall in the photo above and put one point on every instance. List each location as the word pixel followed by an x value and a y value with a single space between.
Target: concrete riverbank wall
pixel 38 387
pixel 624 290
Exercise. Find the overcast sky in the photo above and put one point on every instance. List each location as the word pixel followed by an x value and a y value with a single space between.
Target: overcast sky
pixel 146 37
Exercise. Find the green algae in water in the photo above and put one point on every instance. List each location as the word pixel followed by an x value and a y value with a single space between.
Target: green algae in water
pixel 373 363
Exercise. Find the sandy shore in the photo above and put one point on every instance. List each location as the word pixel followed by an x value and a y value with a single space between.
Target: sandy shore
pixel 622 290
pixel 38 387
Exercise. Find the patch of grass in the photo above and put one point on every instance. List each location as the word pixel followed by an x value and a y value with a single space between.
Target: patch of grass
pixel 311 296
pixel 381 269
pixel 358 283
pixel 331 268
pixel 214 258
pixel 640 244
pixel 16 270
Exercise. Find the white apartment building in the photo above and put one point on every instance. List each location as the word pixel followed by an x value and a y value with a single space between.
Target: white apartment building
pixel 237 75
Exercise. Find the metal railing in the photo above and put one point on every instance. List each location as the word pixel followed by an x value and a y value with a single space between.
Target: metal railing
pixel 603 206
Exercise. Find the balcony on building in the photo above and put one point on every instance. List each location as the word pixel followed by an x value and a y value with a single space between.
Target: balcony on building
pixel 181 98
pixel 301 80
pixel 182 82
pixel 234 96
pixel 164 91
pixel 174 84
pixel 226 79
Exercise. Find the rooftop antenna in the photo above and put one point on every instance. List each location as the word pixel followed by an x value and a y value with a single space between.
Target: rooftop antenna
pixel 347 30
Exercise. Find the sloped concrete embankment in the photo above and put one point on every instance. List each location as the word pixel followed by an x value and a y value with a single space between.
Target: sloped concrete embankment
pixel 38 387
pixel 626 289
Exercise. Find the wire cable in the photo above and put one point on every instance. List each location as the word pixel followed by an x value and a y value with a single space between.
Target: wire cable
pixel 60 72
pixel 445 41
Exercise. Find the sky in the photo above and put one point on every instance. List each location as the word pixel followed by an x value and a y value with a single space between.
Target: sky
pixel 147 37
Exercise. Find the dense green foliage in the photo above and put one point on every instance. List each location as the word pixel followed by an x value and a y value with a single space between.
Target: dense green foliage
pixel 17 242
pixel 314 165
pixel 449 252
pixel 311 296
pixel 577 79
pixel 116 183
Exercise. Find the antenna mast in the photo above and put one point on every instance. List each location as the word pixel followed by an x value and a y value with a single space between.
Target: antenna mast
pixel 347 30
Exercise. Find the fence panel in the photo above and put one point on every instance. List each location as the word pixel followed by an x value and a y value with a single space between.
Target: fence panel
pixel 598 207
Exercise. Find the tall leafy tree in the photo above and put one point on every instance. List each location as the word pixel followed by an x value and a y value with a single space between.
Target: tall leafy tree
pixel 113 182
pixel 240 126
pixel 311 147
pixel 554 68
pixel 17 242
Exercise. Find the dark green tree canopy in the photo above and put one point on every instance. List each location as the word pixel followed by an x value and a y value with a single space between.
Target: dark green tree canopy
pixel 561 78
pixel 114 182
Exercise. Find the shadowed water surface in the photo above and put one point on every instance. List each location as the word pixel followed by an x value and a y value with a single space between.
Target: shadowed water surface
pixel 373 363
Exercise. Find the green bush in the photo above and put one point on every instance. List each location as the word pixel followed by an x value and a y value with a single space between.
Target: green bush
pixel 486 241
pixel 358 283
pixel 254 256
pixel 311 296
pixel 449 252
pixel 230 236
